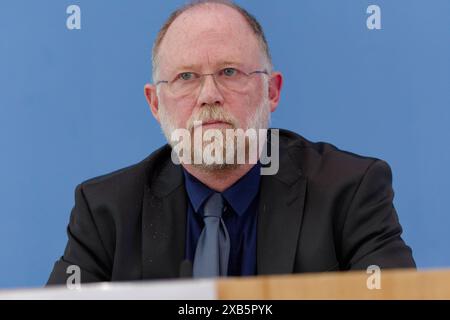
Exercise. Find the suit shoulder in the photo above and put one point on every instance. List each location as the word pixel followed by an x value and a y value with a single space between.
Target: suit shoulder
pixel 127 177
pixel 323 157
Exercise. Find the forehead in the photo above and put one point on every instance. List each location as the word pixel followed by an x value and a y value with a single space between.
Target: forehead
pixel 206 36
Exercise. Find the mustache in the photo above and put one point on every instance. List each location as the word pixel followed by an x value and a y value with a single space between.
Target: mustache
pixel 211 113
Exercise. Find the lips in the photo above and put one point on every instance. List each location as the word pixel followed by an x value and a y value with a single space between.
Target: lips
pixel 213 122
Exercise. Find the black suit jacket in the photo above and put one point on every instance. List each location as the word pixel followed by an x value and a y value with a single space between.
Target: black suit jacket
pixel 325 210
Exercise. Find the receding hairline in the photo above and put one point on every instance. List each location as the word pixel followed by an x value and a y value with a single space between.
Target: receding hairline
pixel 253 23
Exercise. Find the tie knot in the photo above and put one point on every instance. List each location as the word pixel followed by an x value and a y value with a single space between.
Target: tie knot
pixel 213 206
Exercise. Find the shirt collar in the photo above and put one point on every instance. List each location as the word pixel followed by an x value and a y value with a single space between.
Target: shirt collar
pixel 196 190
pixel 239 196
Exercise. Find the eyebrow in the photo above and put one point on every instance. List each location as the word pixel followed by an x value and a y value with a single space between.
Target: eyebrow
pixel 196 66
pixel 227 63
pixel 186 67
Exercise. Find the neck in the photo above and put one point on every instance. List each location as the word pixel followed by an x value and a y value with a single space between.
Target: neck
pixel 218 180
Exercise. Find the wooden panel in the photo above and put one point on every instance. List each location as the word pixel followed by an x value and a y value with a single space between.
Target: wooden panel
pixel 395 284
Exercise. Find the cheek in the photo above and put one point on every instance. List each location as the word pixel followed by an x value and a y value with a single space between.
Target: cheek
pixel 179 110
pixel 243 107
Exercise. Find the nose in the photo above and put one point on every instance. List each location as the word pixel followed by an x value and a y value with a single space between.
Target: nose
pixel 209 92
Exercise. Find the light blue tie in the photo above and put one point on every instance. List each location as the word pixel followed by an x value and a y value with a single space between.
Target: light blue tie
pixel 213 247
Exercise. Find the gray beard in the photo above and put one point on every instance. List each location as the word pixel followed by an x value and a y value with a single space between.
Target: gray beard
pixel 259 120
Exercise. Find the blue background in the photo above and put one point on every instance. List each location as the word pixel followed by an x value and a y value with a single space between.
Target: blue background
pixel 72 106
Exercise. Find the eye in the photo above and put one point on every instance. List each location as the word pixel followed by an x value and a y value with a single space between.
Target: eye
pixel 186 76
pixel 229 72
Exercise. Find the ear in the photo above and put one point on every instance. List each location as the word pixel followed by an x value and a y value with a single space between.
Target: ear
pixel 152 99
pixel 275 85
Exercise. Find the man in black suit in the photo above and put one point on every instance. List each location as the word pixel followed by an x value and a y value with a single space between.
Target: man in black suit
pixel 322 209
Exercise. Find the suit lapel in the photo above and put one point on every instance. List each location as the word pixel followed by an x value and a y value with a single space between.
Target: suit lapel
pixel 164 224
pixel 281 207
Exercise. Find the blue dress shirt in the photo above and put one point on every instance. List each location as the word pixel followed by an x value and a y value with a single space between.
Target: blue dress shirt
pixel 240 217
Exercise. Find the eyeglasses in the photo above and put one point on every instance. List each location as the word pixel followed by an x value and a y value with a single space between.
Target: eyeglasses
pixel 232 79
